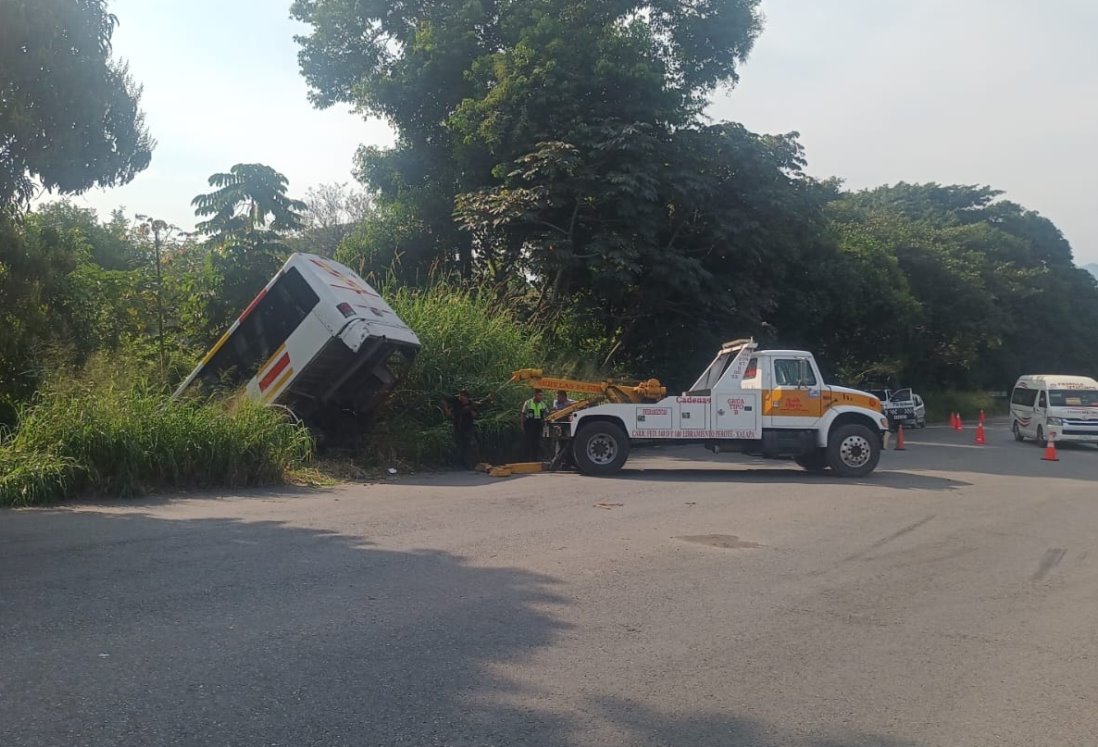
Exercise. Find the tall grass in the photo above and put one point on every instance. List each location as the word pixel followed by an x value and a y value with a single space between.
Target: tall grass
pixel 111 433
pixel 468 341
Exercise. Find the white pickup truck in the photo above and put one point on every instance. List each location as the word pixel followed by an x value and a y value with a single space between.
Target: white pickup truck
pixel 770 403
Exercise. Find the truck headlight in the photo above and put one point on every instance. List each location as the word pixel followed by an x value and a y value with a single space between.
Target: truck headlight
pixel 1055 421
pixel 884 423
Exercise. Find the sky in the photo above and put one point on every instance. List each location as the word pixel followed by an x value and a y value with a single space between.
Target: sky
pixel 996 92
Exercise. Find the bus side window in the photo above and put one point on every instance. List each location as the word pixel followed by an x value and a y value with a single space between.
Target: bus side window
pixel 263 331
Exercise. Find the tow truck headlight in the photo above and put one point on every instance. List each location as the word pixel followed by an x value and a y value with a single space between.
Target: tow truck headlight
pixel 1055 421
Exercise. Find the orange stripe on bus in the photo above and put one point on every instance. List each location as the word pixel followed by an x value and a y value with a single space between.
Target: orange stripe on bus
pixel 287 374
pixel 273 373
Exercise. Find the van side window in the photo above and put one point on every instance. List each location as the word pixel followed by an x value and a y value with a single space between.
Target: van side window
pixel 1042 403
pixel 1024 397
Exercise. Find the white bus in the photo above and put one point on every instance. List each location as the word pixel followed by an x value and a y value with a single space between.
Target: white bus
pixel 1060 408
pixel 318 340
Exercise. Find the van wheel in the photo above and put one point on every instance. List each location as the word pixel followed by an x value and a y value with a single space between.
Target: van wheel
pixel 1017 428
pixel 853 450
pixel 600 448
pixel 1041 440
pixel 813 461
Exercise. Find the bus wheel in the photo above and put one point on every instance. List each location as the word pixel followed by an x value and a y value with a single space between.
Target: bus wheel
pixel 853 450
pixel 600 448
pixel 1017 432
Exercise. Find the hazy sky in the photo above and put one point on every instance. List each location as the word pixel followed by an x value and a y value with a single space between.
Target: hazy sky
pixel 999 92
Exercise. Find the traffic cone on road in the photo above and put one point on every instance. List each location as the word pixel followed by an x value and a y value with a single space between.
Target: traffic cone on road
pixel 982 418
pixel 953 420
pixel 981 437
pixel 900 438
pixel 1050 452
pixel 960 423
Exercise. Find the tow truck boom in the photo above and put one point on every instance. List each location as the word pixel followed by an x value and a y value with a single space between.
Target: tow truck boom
pixel 601 391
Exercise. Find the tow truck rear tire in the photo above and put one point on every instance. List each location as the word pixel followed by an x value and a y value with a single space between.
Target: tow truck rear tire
pixel 600 448
pixel 813 461
pixel 853 450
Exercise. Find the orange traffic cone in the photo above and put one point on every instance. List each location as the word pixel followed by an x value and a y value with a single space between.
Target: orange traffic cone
pixel 953 420
pixel 960 423
pixel 1050 452
pixel 982 418
pixel 981 437
pixel 900 438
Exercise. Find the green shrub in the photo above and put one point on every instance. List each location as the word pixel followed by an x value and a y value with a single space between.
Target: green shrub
pixel 467 341
pixel 109 436
pixel 939 405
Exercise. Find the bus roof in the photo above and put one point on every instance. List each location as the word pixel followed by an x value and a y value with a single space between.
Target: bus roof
pixel 1056 381
pixel 342 285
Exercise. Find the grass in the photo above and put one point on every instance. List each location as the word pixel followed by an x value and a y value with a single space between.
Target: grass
pixel 467 341
pixel 111 434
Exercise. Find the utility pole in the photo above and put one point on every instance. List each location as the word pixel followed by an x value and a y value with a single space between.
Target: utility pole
pixel 158 227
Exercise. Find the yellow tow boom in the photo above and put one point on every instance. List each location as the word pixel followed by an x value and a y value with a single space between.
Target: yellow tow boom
pixel 600 391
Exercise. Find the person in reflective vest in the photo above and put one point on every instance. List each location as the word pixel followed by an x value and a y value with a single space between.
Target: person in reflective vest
pixel 534 412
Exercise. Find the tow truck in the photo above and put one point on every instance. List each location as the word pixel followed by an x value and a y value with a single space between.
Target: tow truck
pixel 767 403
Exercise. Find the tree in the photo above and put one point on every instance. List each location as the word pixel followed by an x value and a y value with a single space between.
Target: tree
pixel 332 212
pixel 650 234
pixel 250 197
pixel 248 218
pixel 470 87
pixel 977 287
pixel 69 113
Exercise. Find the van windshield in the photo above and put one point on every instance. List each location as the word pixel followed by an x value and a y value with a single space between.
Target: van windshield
pixel 1073 398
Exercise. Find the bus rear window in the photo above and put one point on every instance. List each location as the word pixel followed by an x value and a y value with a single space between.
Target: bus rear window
pixel 1073 398
pixel 263 331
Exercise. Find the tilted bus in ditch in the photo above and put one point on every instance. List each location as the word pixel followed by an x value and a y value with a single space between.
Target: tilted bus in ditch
pixel 317 340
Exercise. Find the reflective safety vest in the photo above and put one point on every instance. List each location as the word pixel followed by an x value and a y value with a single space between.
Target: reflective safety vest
pixel 535 410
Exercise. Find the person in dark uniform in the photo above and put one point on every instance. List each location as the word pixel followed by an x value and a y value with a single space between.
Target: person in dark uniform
pixel 464 413
pixel 534 412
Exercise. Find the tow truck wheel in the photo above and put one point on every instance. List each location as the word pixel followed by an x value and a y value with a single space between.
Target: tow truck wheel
pixel 853 450
pixel 600 448
pixel 814 461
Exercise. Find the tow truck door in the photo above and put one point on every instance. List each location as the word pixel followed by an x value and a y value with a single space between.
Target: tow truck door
pixel 794 398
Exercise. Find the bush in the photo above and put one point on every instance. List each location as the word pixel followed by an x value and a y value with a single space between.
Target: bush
pixel 92 436
pixel 939 405
pixel 467 341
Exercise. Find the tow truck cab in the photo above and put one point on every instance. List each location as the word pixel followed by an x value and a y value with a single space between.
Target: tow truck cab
pixel 770 403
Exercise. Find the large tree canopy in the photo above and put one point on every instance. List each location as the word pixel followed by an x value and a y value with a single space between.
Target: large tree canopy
pixel 69 114
pixel 472 86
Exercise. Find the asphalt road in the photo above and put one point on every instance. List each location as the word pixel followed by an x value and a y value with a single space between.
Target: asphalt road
pixel 950 599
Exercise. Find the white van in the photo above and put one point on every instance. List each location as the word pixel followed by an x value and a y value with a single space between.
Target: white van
pixel 1057 408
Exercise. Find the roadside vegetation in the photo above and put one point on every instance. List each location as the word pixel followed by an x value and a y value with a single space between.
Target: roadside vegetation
pixel 109 432
pixel 634 240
